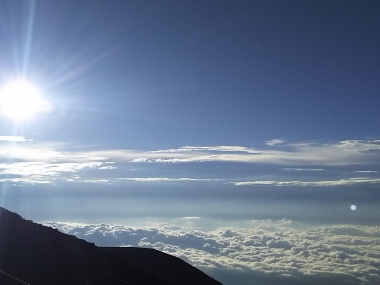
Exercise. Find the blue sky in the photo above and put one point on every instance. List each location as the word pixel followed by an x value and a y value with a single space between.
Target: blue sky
pixel 203 113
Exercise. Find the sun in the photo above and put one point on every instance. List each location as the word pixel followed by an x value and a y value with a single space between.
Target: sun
pixel 20 100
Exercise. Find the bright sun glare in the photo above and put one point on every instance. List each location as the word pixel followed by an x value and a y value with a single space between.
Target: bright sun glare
pixel 20 100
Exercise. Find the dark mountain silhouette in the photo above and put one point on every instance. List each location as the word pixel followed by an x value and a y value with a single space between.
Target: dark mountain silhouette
pixel 39 255
pixel 163 266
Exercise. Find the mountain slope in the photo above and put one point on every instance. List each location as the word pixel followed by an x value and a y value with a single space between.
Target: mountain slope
pixel 163 266
pixel 40 255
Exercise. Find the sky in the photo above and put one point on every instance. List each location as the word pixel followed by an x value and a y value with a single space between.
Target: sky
pixel 250 128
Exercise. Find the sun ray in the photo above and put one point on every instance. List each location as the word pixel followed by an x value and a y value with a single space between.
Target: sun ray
pixel 29 36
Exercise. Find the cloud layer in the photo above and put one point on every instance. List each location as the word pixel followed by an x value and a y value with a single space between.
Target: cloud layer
pixel 25 161
pixel 335 154
pixel 261 252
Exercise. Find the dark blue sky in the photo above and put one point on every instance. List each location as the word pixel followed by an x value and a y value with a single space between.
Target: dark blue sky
pixel 200 73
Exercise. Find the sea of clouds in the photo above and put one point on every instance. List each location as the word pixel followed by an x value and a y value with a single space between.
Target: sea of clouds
pixel 260 252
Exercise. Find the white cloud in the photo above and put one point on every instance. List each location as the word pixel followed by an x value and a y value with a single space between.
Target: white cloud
pixel 28 180
pixel 41 172
pixel 40 168
pixel 274 252
pixel 162 179
pixel 31 152
pixel 108 167
pixel 174 160
pixel 35 163
pixel 341 182
pixel 32 158
pixel 303 169
pixel 275 142
pixel 13 138
pixel 337 154
pixel 93 181
pixel 221 148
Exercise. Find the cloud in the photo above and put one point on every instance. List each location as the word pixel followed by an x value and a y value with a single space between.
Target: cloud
pixel 13 139
pixel 341 182
pixel 343 153
pixel 42 153
pixel 266 252
pixel 275 142
pixel 162 179
pixel 303 169
pixel 24 161
pixel 174 160
pixel 108 167
pixel 222 148
pixel 38 161
pixel 353 152
pixel 93 181
pixel 41 172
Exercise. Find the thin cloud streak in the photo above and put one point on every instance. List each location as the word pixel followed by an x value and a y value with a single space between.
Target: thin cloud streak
pixel 163 179
pixel 341 182
pixel 275 142
pixel 231 148
pixel 303 169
